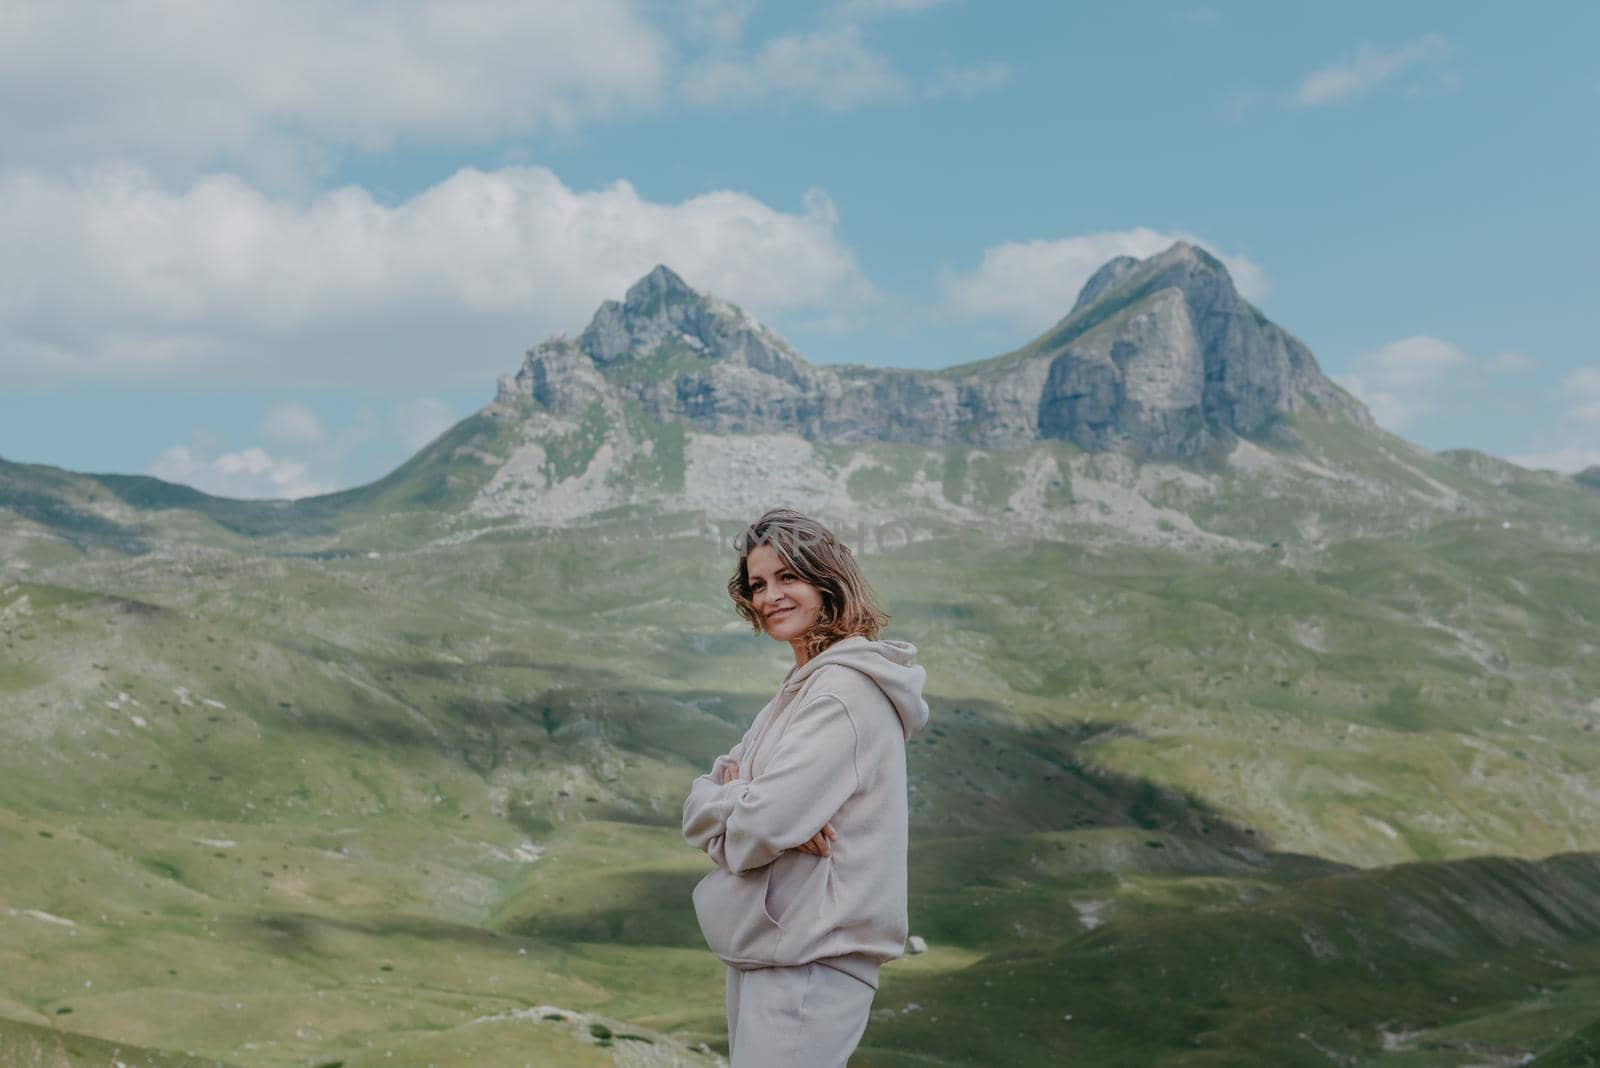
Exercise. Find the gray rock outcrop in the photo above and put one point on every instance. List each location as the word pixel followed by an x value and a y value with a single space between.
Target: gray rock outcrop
pixel 1113 271
pixel 1167 358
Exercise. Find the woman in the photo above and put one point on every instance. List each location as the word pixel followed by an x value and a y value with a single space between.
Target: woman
pixel 806 816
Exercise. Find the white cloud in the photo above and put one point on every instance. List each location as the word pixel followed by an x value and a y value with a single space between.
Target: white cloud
pixel 1510 361
pixel 1567 460
pixel 1368 68
pixel 250 473
pixel 831 67
pixel 1413 361
pixel 111 276
pixel 1572 442
pixel 420 421
pixel 291 424
pixel 969 81
pixel 306 458
pixel 1399 382
pixel 1032 284
pixel 719 23
pixel 1581 391
pixel 1584 381
pixel 267 87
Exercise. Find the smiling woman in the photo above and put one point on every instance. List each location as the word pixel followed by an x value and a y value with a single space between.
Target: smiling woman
pixel 800 584
pixel 806 818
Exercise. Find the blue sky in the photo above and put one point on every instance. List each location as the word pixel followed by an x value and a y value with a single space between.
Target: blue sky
pixel 272 249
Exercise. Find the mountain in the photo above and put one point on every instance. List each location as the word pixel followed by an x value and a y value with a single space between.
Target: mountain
pixel 1160 357
pixel 1163 410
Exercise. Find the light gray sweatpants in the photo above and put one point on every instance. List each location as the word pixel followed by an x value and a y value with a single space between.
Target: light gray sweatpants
pixel 807 1016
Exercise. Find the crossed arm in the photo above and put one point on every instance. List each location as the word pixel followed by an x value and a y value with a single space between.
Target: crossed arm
pixel 744 824
pixel 817 845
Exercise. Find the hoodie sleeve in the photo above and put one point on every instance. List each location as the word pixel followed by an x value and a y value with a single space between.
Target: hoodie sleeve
pixel 702 826
pixel 747 823
pixel 727 760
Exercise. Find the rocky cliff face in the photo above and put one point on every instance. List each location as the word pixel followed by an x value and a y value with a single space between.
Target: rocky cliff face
pixel 1163 357
pixel 1158 357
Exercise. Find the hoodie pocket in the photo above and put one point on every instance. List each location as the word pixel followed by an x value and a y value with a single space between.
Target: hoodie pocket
pixel 732 911
pixel 767 906
pixel 799 898
pixel 790 882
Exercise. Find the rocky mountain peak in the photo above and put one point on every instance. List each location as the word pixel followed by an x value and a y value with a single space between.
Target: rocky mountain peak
pixel 1202 278
pixel 1114 271
pixel 1183 250
pixel 662 316
pixel 670 347
pixel 1162 356
pixel 658 307
pixel 661 287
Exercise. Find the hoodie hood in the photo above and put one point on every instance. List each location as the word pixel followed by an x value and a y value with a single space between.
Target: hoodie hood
pixel 887 662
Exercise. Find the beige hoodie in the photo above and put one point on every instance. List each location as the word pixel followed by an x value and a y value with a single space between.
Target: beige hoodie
pixel 830 747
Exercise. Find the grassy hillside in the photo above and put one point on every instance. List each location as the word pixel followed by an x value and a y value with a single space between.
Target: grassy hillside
pixel 135 514
pixel 1281 756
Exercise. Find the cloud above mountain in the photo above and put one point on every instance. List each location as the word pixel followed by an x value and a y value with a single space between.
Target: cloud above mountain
pixel 1573 441
pixel 111 276
pixel 1032 284
pixel 1405 382
pixel 1400 381
pixel 298 453
pixel 248 473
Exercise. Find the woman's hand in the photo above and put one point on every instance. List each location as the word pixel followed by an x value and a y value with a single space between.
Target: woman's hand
pixel 732 773
pixel 818 845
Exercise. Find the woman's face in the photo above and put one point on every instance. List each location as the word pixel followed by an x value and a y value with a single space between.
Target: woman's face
pixel 787 604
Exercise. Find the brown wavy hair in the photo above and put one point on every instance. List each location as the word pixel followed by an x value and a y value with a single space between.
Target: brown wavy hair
pixel 810 550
